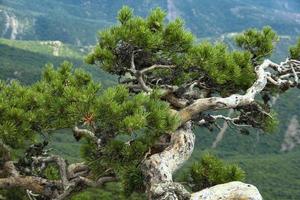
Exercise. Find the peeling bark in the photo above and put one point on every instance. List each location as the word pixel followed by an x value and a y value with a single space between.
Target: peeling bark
pixel 158 168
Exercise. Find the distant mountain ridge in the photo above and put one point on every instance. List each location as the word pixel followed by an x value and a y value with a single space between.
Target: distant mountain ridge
pixel 25 60
pixel 77 21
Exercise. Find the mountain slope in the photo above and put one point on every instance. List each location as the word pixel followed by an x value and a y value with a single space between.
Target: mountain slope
pixel 25 60
pixel 77 21
pixel 275 175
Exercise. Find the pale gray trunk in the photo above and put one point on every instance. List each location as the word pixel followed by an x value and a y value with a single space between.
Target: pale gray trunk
pixel 159 168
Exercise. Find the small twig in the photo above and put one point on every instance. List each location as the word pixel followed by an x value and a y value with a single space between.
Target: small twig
pixel 31 195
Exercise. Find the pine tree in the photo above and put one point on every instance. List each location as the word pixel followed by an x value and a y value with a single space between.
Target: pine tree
pixel 139 132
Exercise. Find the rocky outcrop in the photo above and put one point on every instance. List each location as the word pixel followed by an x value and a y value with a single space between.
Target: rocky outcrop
pixel 229 191
pixel 56 45
pixel 292 135
pixel 172 10
pixel 12 27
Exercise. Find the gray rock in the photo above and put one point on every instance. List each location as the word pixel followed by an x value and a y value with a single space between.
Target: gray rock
pixel 229 191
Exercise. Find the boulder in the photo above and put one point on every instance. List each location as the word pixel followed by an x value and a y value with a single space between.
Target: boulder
pixel 229 191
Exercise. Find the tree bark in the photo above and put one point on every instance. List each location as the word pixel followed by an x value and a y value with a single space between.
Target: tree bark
pixel 158 168
pixel 32 183
pixel 73 178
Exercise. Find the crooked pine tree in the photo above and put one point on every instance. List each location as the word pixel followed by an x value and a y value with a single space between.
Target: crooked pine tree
pixel 140 131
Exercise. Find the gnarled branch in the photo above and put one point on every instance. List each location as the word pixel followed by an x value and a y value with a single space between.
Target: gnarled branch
pixel 235 100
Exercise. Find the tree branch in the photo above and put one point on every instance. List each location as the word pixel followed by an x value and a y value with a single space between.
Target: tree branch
pixel 222 132
pixel 78 169
pixel 100 182
pixel 227 119
pixel 35 184
pixel 73 178
pixel 61 163
pixel 235 100
pixel 79 133
pixel 156 67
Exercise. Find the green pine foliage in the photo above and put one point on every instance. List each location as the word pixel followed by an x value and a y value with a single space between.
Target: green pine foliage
pixel 111 191
pixel 259 43
pixel 295 51
pixel 14 193
pixel 159 42
pixel 224 67
pixel 30 110
pixel 52 172
pixel 150 34
pixel 211 171
pixel 125 14
pixel 128 124
pixel 64 97
pixel 133 180
pixel 270 123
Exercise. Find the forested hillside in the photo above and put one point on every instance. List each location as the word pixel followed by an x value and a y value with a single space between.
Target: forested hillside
pixel 25 60
pixel 51 31
pixel 77 21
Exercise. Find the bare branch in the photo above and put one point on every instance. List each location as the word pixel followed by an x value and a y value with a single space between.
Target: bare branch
pixel 61 163
pixel 78 169
pixel 174 101
pixel 79 133
pixel 31 195
pixel 222 132
pixel 100 182
pixel 157 67
pixel 235 100
pixel 73 178
pixel 67 192
pixel 133 68
pixel 139 75
pixel 227 119
pixel 10 169
pixel 140 79
pixel 295 73
pixel 35 184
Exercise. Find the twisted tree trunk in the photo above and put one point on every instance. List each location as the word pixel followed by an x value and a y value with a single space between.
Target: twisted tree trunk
pixel 158 168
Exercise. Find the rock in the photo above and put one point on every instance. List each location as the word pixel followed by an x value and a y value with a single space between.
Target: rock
pixel 56 45
pixel 292 136
pixel 229 191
